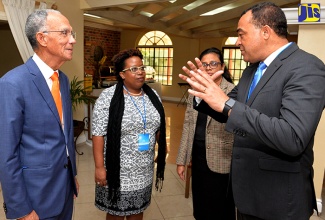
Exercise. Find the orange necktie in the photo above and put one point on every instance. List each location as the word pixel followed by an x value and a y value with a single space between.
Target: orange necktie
pixel 56 93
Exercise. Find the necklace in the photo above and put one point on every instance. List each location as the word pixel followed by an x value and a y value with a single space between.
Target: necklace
pixel 135 94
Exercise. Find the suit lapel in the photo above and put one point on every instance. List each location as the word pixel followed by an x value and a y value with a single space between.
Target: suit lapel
pixel 195 114
pixel 42 87
pixel 208 121
pixel 245 82
pixel 65 96
pixel 274 66
pixel 270 71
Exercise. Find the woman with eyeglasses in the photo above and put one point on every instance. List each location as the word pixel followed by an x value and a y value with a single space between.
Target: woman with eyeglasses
pixel 128 119
pixel 207 148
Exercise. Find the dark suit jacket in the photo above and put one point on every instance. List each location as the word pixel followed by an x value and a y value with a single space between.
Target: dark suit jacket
pixel 33 144
pixel 272 174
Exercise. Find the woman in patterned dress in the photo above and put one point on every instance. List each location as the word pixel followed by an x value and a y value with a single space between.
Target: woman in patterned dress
pixel 128 119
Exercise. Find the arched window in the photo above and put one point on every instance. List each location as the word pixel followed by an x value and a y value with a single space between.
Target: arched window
pixel 233 58
pixel 157 50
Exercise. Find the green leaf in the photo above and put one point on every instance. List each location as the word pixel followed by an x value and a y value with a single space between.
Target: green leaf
pixel 78 93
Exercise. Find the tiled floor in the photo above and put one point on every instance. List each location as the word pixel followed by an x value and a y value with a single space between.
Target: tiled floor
pixel 170 204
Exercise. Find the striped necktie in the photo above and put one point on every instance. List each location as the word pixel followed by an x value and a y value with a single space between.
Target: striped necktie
pixel 56 93
pixel 257 77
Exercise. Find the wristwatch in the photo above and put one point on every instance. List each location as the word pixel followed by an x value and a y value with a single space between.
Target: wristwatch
pixel 228 105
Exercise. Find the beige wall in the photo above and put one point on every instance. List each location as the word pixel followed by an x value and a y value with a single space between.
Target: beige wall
pixel 1 6
pixel 310 39
pixel 75 67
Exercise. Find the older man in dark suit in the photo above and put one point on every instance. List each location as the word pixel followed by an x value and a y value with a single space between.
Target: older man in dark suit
pixel 37 159
pixel 274 123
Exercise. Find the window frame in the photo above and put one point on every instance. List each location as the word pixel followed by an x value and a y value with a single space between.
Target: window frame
pixel 234 62
pixel 158 53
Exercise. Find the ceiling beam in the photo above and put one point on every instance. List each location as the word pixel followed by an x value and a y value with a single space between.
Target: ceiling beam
pixel 182 22
pixel 141 21
pixel 228 14
pixel 99 20
pixel 179 4
pixel 137 9
pixel 197 12
pixel 216 26
pixel 233 12
pixel 101 26
pixel 228 32
pixel 96 4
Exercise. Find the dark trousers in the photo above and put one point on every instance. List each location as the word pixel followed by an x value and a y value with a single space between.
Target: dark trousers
pixel 241 216
pixel 212 194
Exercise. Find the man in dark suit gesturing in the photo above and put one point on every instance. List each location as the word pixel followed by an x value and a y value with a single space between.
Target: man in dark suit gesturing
pixel 37 159
pixel 274 123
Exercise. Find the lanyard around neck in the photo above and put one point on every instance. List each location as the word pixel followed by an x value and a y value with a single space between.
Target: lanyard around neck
pixel 143 116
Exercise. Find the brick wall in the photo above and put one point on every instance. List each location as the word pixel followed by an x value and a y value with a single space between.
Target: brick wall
pixel 107 39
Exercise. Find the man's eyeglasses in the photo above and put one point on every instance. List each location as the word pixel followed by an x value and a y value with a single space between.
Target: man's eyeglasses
pixel 135 69
pixel 212 64
pixel 65 33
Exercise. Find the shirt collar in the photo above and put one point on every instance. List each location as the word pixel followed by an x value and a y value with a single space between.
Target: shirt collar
pixel 44 68
pixel 273 55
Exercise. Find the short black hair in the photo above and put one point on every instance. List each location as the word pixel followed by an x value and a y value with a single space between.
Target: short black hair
pixel 267 13
pixel 119 60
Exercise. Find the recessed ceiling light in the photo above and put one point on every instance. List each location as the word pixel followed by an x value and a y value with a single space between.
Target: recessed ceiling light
pixel 195 4
pixel 90 15
pixel 219 10
pixel 147 14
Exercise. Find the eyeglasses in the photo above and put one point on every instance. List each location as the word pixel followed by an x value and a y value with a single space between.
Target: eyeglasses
pixel 135 69
pixel 65 33
pixel 212 64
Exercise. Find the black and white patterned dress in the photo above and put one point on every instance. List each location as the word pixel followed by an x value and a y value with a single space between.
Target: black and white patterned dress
pixel 137 167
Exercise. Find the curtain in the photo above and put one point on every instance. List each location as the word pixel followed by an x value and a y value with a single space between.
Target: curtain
pixel 17 12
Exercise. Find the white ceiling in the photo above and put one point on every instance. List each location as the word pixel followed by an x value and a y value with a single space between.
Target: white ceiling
pixel 182 17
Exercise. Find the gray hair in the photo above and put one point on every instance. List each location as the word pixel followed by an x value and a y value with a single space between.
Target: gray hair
pixel 36 22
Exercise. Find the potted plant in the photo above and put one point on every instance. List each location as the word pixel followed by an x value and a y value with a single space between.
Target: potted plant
pixel 78 95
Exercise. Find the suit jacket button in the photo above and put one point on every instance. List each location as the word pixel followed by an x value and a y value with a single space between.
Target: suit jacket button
pixel 66 166
pixel 5 207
